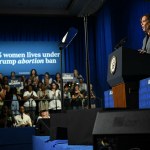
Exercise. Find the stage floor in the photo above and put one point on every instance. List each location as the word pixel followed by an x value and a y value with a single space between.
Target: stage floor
pixel 44 143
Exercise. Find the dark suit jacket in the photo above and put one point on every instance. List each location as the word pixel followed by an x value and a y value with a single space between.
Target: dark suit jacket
pixel 147 48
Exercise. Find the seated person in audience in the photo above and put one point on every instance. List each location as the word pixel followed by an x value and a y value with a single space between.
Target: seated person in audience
pixel 8 96
pixel 33 75
pixel 76 76
pixel 82 85
pixel 42 124
pixel 6 118
pixel 12 99
pixel 22 78
pixel 92 98
pixel 58 79
pixel 46 83
pixel 43 96
pixel 35 84
pixel 23 120
pixel 40 83
pixel 13 76
pixel 67 97
pixel 47 76
pixel 55 97
pixel 29 97
pixel 22 81
pixel 15 101
pixel 44 114
pixel 28 82
pixel 77 98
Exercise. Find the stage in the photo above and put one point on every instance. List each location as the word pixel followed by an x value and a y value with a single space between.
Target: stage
pixel 83 130
pixel 44 143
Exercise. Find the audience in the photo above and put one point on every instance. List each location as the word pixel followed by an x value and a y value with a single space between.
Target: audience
pixel 22 120
pixel 36 95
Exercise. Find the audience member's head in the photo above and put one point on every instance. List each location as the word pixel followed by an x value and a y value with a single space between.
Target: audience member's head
pixel 21 109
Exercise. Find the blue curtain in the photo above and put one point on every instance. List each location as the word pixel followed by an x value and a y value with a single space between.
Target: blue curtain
pixel 115 20
pixel 103 47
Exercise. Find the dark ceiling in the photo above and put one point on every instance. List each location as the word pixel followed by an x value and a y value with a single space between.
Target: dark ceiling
pixel 50 7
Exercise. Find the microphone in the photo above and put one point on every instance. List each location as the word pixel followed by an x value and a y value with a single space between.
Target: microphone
pixel 121 43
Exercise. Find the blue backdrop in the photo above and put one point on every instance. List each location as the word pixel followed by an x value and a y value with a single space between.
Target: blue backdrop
pixel 117 19
pixel 23 56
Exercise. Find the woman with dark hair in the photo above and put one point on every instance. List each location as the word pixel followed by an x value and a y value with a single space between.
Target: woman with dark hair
pixel 33 75
pixel 47 80
pixel 58 79
pixel 146 41
pixel 47 77
pixel 76 76
pixel 55 97
pixel 77 97
pixel 67 97
pixel 12 75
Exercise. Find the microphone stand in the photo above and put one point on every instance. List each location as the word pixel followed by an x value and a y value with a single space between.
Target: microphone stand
pixel 121 43
pixel 65 43
pixel 87 62
pixel 61 81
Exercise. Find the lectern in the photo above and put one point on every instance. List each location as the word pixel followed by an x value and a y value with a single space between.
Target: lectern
pixel 125 68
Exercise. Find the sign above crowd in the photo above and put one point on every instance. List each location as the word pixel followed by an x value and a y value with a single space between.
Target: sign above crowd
pixel 21 57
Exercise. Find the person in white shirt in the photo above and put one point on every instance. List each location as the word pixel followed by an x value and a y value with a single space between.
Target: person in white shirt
pixel 29 97
pixel 22 120
pixel 55 97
